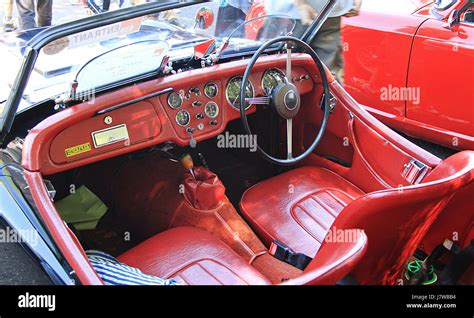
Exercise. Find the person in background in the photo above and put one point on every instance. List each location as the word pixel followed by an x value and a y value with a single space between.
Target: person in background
pixel 230 15
pixel 8 24
pixel 328 41
pixel 27 12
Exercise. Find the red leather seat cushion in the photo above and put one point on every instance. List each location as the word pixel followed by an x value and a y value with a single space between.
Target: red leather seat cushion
pixel 298 207
pixel 193 257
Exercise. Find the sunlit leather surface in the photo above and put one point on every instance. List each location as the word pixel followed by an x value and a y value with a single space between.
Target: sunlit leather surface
pixel 298 207
pixel 192 257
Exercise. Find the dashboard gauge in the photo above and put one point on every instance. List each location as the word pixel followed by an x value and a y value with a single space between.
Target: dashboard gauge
pixel 232 92
pixel 183 118
pixel 272 77
pixel 211 90
pixel 211 110
pixel 175 100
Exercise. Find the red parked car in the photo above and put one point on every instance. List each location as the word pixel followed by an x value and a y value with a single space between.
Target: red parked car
pixel 411 64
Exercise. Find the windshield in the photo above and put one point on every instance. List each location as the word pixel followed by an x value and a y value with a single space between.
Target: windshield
pixel 114 53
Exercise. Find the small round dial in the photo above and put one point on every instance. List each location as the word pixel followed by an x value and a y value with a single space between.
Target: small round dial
pixel 272 78
pixel 211 90
pixel 211 110
pixel 183 118
pixel 175 100
pixel 233 92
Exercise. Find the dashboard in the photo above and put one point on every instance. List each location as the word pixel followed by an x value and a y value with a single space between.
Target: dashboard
pixel 187 107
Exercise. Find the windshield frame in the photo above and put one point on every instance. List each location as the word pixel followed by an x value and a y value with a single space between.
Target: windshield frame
pixel 34 46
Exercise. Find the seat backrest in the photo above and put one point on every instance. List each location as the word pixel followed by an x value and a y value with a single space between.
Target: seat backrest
pixel 334 261
pixel 396 220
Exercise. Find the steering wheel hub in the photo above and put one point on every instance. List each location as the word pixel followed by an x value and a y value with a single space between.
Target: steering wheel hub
pixel 286 100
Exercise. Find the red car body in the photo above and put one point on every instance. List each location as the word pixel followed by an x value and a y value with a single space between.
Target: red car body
pixel 392 46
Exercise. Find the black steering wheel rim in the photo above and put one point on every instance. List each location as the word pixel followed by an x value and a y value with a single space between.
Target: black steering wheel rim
pixel 326 99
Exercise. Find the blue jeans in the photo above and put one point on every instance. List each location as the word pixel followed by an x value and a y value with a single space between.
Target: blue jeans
pixel 27 13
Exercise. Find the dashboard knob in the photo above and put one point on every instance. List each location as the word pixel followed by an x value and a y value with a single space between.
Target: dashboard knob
pixel 197 103
pixel 200 116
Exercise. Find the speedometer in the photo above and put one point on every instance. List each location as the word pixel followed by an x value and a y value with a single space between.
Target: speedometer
pixel 232 92
pixel 272 78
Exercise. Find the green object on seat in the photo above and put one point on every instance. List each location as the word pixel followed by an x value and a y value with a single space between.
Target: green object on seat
pixel 414 267
pixel 83 209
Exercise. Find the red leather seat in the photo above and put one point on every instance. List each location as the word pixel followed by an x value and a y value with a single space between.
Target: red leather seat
pixel 298 207
pixel 193 257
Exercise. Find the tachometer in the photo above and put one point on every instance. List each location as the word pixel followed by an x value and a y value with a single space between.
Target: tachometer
pixel 232 92
pixel 183 118
pixel 175 100
pixel 270 79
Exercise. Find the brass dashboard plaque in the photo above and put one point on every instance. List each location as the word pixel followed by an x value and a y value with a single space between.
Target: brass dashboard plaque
pixel 110 136
pixel 77 150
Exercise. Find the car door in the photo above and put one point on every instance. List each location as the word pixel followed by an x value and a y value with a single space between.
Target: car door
pixel 442 69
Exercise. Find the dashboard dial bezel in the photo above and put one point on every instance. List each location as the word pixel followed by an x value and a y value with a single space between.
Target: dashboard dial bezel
pixel 189 116
pixel 206 112
pixel 180 98
pixel 217 90
pixel 266 73
pixel 227 95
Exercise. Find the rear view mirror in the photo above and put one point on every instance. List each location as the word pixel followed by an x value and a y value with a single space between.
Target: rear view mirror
pixel 204 18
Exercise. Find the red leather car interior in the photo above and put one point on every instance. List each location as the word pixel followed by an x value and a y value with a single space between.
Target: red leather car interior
pixel 204 190
pixel 301 212
pixel 334 261
pixel 193 257
pixel 298 208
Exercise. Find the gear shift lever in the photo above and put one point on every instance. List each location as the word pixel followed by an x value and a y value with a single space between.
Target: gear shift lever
pixel 188 164
pixel 202 188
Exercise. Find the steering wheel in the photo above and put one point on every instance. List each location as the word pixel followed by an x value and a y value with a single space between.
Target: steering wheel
pixel 285 100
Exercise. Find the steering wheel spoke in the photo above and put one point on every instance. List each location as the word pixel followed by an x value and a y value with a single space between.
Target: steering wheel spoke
pixel 288 62
pixel 265 100
pixel 289 138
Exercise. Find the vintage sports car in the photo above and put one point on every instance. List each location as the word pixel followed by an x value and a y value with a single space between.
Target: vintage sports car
pixel 230 161
pixel 410 64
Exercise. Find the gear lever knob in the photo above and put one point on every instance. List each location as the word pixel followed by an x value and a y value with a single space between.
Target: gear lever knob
pixel 188 163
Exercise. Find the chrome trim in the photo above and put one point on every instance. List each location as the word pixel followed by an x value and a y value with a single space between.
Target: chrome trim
pixel 189 116
pixel 206 112
pixel 217 90
pixel 227 97
pixel 180 98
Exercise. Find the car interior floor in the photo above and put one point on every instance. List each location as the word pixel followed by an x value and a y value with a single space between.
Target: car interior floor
pixel 142 193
